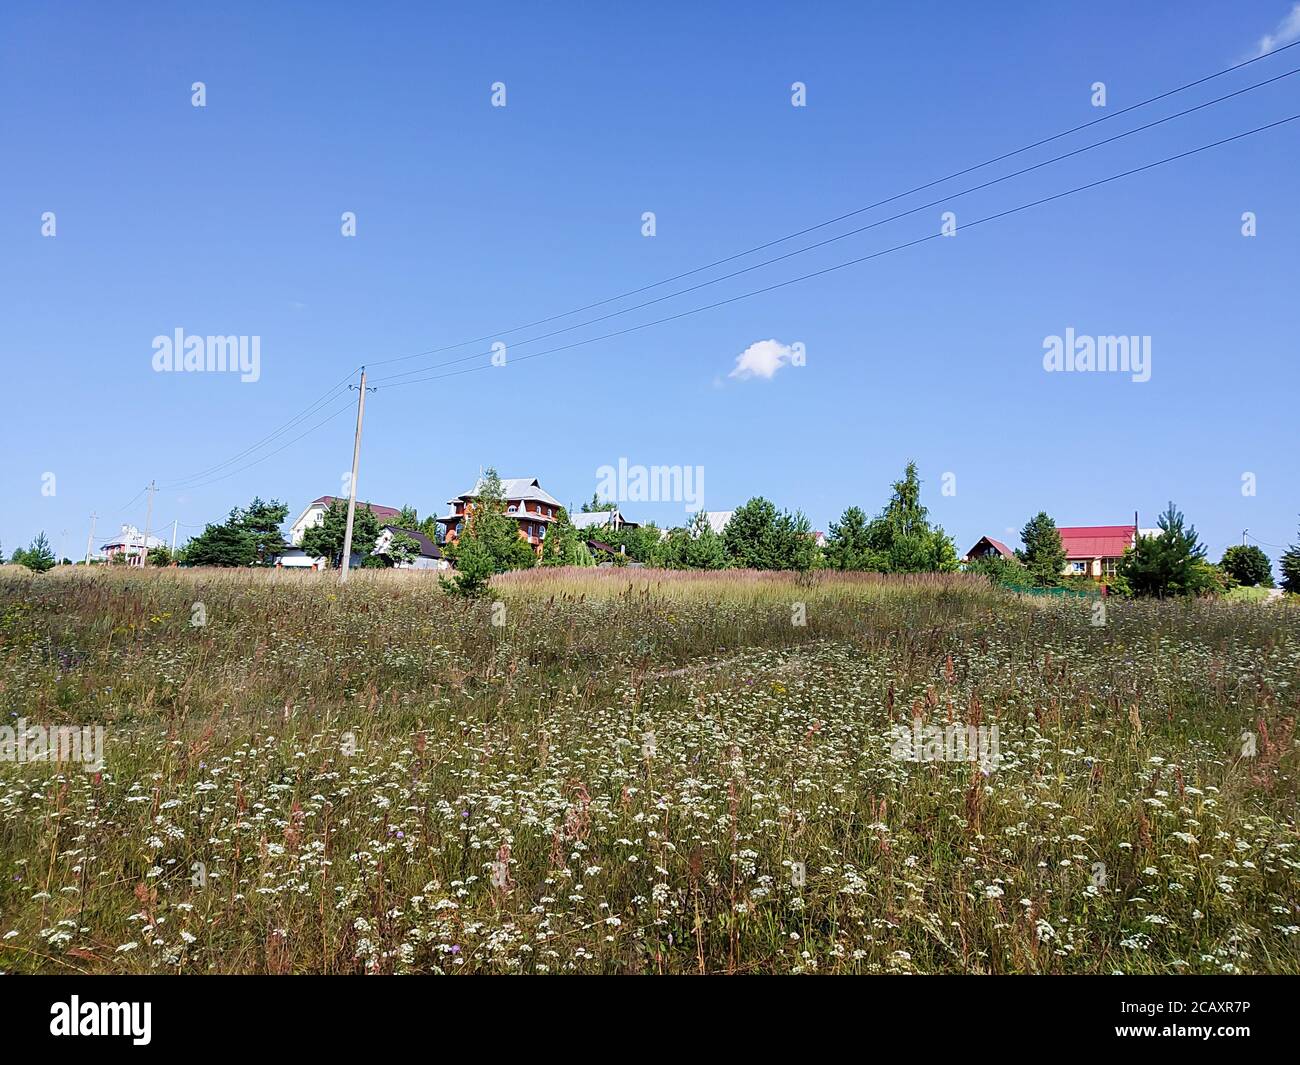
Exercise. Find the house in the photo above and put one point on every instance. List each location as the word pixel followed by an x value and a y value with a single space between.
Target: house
pixel 526 501
pixel 430 556
pixel 1095 550
pixel 599 519
pixel 987 547
pixel 130 544
pixel 315 514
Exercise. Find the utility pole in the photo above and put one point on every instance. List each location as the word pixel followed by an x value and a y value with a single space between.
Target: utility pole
pixel 1243 536
pixel 148 517
pixel 174 521
pixel 352 483
pixel 91 538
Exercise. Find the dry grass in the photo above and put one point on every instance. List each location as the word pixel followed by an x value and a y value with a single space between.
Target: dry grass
pixel 628 773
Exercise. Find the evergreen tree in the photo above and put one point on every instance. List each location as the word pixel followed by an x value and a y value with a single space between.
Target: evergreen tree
pixel 750 535
pixel 221 545
pixel 702 548
pixel 1171 563
pixel 490 543
pixel 261 521
pixel 1289 566
pixel 1044 554
pixel 598 505
pixel 37 557
pixel 1247 565
pixel 848 545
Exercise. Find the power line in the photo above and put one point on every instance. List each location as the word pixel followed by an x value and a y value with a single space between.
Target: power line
pixel 848 214
pixel 188 482
pixel 240 469
pixel 184 481
pixel 852 232
pixel 866 258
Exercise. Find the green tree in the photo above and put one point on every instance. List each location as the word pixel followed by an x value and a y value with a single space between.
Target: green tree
pixel 1170 563
pixel 37 557
pixel 1247 565
pixel 400 551
pixel 160 556
pixel 221 545
pixel 848 547
pixel 703 548
pixel 407 518
pixel 750 536
pixel 901 540
pixel 490 543
pixel 564 545
pixel 598 505
pixel 326 539
pixel 261 520
pixel 999 569
pixel 1044 555
pixel 1289 567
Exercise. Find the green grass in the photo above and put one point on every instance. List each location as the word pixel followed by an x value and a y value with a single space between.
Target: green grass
pixel 605 771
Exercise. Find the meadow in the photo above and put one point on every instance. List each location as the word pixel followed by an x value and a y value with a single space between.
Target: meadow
pixel 643 772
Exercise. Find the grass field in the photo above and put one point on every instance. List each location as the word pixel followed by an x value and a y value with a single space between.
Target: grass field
pixel 603 771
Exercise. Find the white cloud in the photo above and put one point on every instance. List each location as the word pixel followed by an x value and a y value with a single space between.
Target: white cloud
pixel 1288 30
pixel 761 359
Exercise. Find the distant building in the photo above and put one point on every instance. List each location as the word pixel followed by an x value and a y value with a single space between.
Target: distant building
pixel 987 547
pixel 129 544
pixel 430 556
pixel 602 519
pixel 1095 550
pixel 526 501
pixel 315 514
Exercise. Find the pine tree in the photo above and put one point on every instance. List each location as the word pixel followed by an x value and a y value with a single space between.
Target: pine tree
pixel 1289 566
pixel 1044 554
pixel 1171 563
pixel 848 545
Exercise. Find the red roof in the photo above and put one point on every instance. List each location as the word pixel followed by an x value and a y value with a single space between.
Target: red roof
pixel 1097 541
pixel 375 508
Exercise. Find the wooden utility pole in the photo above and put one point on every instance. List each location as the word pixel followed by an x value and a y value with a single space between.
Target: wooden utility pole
pixel 91 538
pixel 352 484
pixel 148 517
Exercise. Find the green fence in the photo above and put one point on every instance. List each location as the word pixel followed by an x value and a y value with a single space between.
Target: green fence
pixel 1072 593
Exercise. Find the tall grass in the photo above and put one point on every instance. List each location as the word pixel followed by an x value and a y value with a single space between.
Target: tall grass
pixel 638 771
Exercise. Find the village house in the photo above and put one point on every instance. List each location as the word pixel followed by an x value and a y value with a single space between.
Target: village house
pixel 987 547
pixel 1095 550
pixel 129 544
pixel 315 514
pixel 526 501
pixel 429 557
pixel 602 519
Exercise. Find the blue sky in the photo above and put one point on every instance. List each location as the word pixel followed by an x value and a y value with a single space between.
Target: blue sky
pixel 471 219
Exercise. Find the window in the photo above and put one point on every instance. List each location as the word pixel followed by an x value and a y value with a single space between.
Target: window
pixel 541 532
pixel 1078 567
pixel 459 526
pixel 1110 566
pixel 512 508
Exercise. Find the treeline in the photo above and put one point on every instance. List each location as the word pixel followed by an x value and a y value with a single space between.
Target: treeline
pixel 757 536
